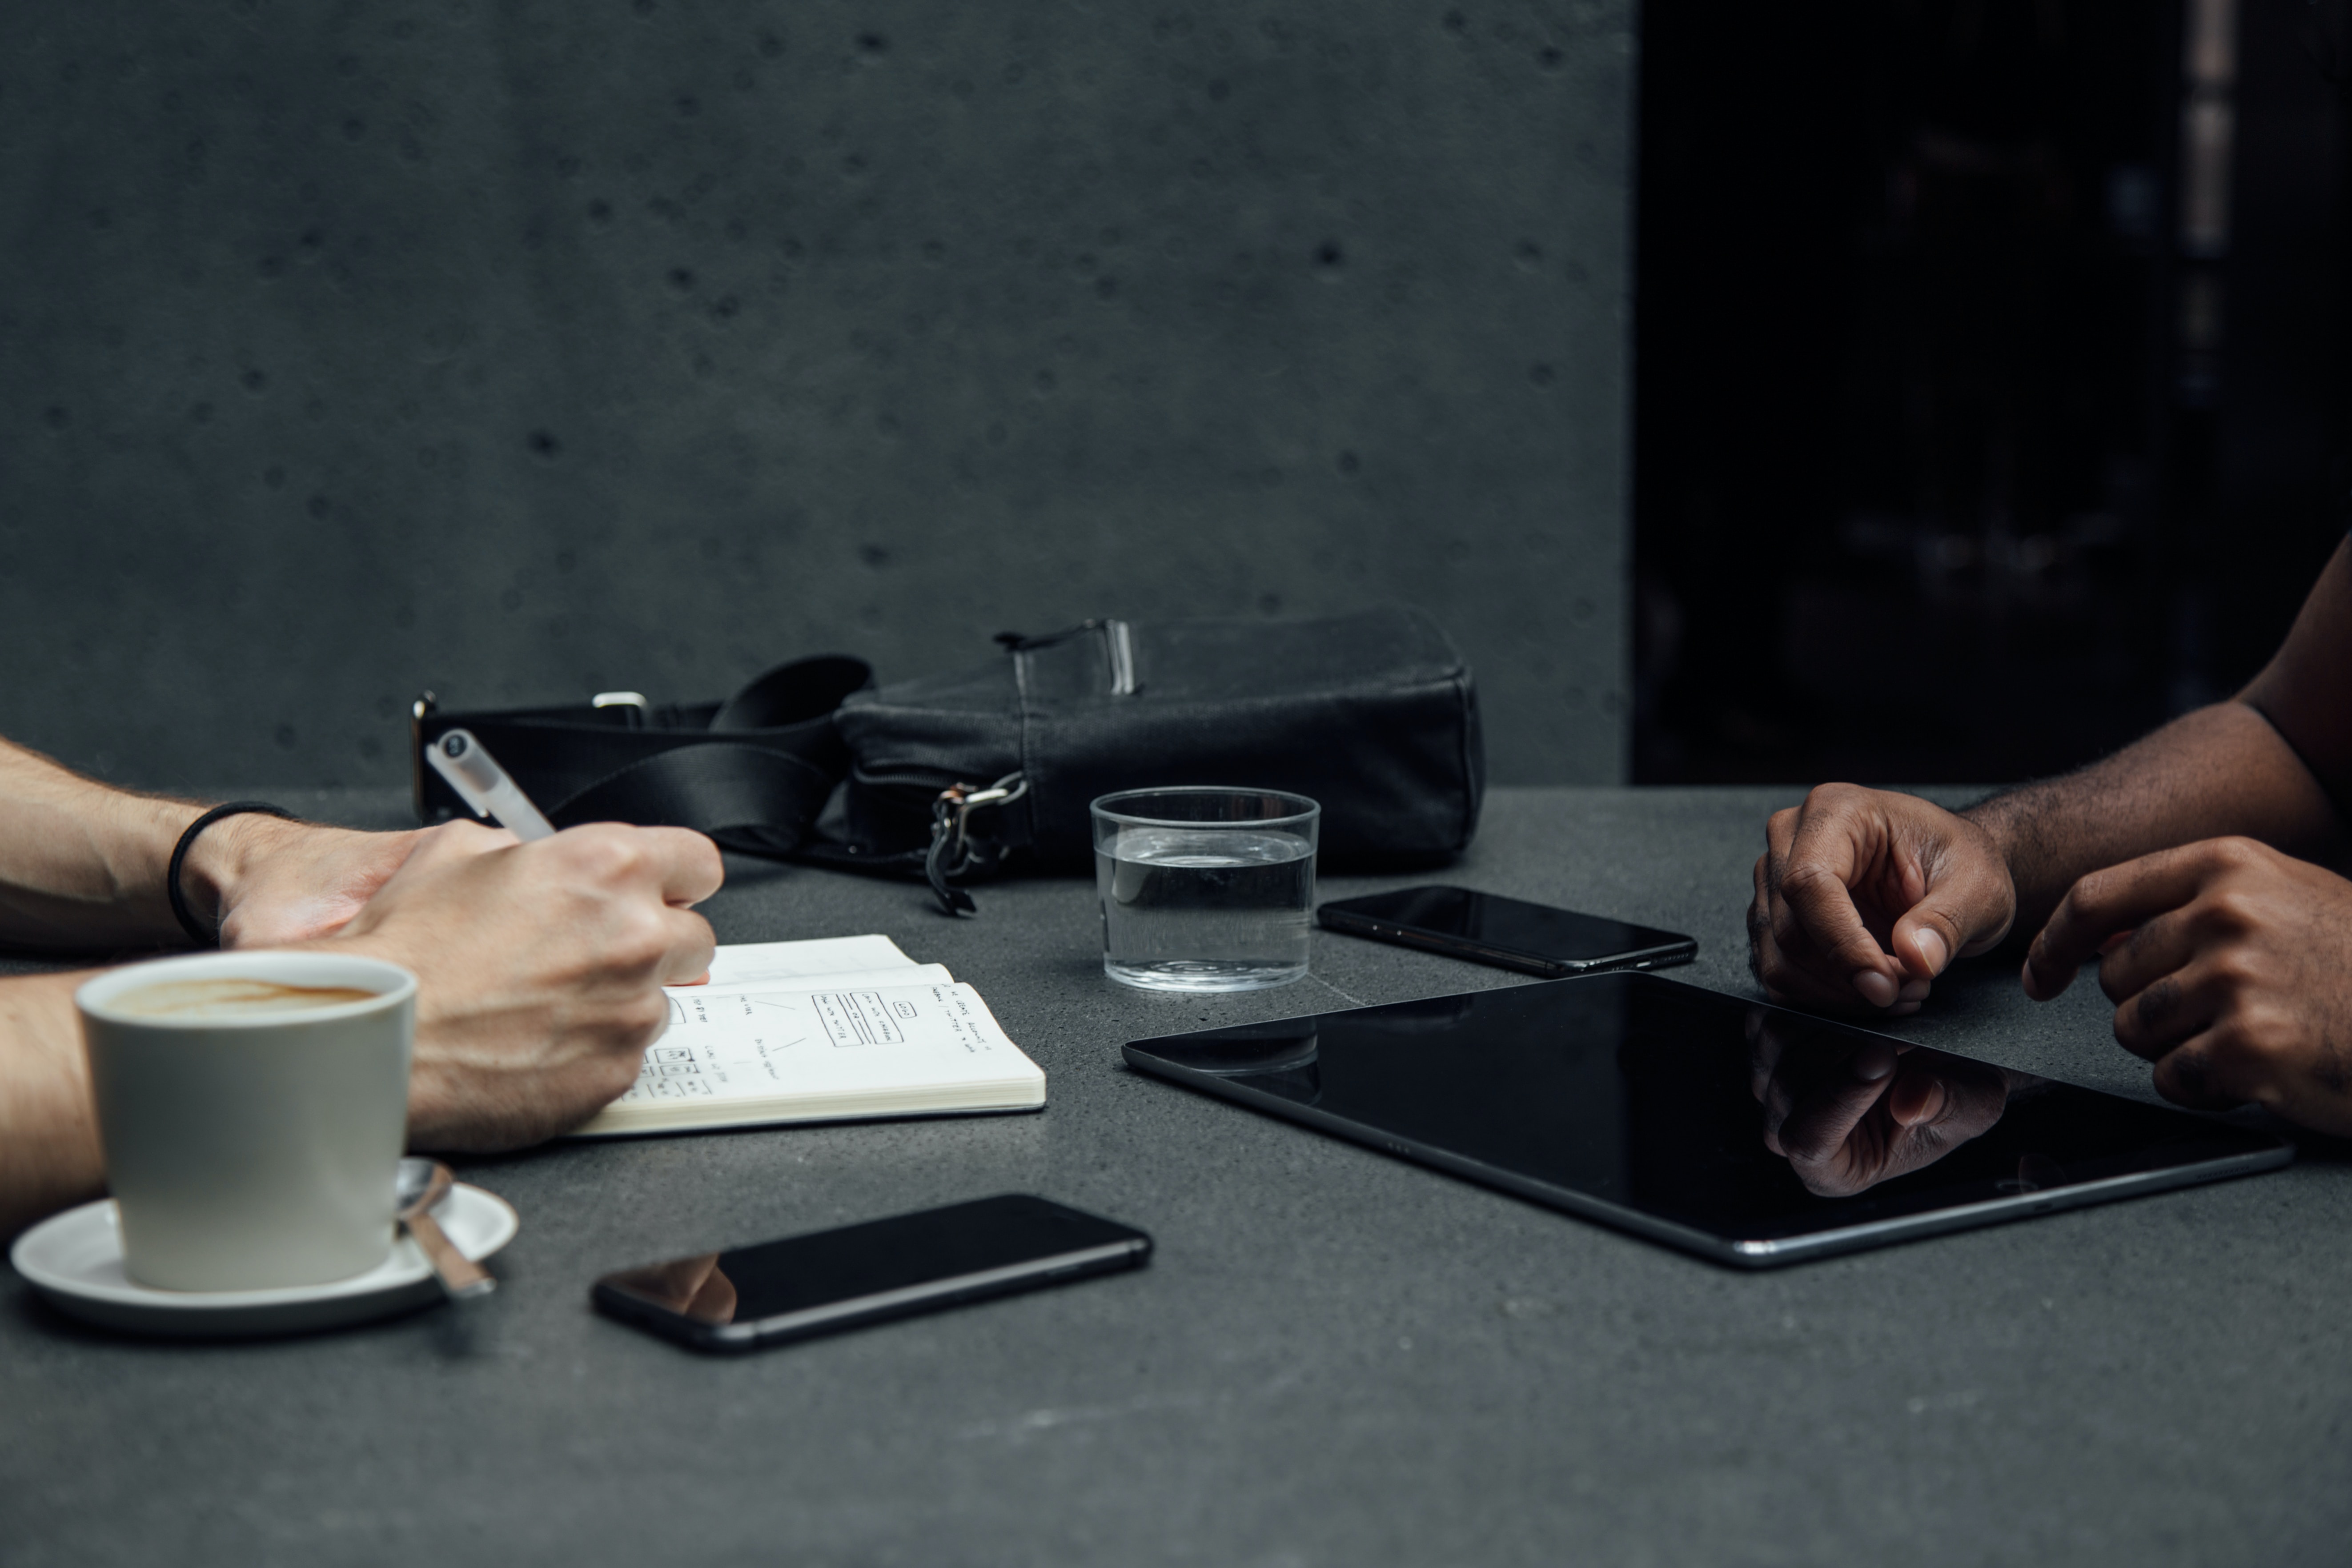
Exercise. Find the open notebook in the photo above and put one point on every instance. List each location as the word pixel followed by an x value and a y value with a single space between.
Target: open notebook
pixel 821 1031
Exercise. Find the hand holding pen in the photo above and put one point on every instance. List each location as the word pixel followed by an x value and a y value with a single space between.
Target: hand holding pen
pixel 460 758
pixel 484 786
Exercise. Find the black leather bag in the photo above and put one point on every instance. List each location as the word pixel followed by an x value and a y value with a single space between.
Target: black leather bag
pixel 963 776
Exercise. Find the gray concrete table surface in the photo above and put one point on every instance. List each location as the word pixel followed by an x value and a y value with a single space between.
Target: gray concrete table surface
pixel 1334 1357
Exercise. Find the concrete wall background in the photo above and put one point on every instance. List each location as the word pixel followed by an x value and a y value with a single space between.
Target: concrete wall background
pixel 522 349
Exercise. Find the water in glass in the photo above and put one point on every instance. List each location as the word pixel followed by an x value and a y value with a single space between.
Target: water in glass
pixel 1210 908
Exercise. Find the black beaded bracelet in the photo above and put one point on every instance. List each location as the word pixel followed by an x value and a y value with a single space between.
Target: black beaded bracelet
pixel 188 922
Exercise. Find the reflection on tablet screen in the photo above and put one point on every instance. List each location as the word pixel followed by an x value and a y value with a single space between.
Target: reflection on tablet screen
pixel 1745 1131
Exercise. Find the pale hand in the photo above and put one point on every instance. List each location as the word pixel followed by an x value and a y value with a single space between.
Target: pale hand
pixel 540 966
pixel 279 882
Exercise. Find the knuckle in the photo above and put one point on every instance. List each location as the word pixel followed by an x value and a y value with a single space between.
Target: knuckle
pixel 606 855
pixel 2231 910
pixel 2255 1035
pixel 639 938
pixel 643 1016
pixel 1809 878
pixel 2234 851
pixel 458 835
pixel 2191 1070
pixel 2089 890
pixel 2230 1040
pixel 625 858
pixel 2235 971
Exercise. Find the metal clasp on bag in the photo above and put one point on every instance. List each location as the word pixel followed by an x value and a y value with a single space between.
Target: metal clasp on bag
pixel 951 853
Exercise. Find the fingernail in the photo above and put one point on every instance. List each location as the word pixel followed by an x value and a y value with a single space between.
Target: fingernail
pixel 1873 1063
pixel 1913 990
pixel 1874 988
pixel 1931 947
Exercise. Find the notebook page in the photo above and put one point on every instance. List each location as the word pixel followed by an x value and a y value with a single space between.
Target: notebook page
pixel 852 979
pixel 737 963
pixel 739 1045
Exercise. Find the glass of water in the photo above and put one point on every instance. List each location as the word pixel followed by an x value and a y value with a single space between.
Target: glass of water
pixel 1205 889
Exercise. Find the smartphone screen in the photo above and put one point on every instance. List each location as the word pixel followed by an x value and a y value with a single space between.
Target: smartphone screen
pixel 1511 932
pixel 828 1280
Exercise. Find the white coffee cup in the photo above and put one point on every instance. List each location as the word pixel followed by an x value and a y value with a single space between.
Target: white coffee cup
pixel 250 1148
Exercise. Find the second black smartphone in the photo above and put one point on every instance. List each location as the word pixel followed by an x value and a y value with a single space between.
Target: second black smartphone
pixel 1510 933
pixel 829 1280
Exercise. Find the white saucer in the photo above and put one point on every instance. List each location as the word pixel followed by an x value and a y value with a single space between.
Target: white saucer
pixel 74 1261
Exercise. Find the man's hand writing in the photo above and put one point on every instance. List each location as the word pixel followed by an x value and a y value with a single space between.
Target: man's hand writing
pixel 2226 961
pixel 541 967
pixel 1864 896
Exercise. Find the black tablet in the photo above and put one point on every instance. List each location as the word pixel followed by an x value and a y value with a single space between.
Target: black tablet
pixel 1744 1132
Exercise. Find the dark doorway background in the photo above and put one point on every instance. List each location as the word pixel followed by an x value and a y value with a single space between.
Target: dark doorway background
pixel 1991 403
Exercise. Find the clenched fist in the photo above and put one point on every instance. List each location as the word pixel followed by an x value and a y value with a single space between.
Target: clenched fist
pixel 1864 896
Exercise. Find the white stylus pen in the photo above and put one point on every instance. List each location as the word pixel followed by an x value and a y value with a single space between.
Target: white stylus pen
pixel 481 784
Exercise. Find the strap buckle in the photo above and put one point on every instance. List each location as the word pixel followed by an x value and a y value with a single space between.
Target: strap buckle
pixel 635 708
pixel 952 852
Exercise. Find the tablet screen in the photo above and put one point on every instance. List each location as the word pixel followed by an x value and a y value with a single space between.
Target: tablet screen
pixel 1743 1130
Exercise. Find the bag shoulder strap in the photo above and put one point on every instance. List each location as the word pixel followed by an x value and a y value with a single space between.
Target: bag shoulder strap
pixel 752 772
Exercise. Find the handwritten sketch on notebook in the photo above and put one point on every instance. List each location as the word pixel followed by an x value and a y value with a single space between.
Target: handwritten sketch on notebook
pixel 895 1039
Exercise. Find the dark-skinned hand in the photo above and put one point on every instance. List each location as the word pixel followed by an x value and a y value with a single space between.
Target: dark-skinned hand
pixel 2228 963
pixel 1864 896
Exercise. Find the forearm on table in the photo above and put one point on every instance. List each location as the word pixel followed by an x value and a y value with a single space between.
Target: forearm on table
pixel 49 1155
pixel 2218 772
pixel 82 864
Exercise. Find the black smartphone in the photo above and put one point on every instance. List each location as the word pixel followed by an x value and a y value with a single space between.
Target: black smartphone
pixel 828 1280
pixel 1510 933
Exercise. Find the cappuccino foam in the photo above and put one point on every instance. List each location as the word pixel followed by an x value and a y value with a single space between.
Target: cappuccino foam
pixel 233 997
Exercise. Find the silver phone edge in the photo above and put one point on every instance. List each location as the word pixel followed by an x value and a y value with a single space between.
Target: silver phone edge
pixel 788 1325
